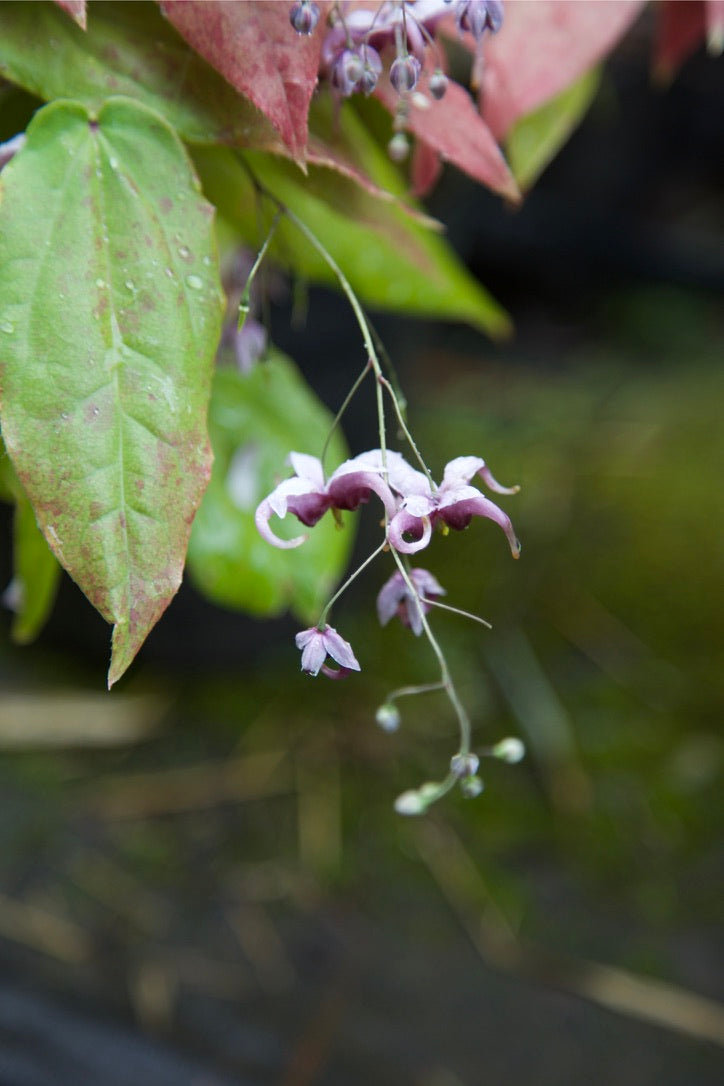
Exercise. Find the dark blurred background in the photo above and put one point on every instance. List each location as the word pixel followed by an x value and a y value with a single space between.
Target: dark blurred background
pixel 201 876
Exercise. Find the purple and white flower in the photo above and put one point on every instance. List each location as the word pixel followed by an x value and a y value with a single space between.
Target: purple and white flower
pixel 317 644
pixel 477 16
pixel 454 503
pixel 308 496
pixel 395 598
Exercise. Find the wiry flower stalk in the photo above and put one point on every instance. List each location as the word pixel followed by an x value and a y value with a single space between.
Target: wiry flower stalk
pixel 412 505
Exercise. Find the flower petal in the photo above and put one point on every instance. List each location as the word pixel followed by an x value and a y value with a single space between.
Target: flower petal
pixel 420 528
pixel 401 476
pixel 348 489
pixel 425 583
pixel 309 468
pixel 262 517
pixel 461 470
pixel 458 515
pixel 279 497
pixel 389 596
pixel 309 508
pixel 305 636
pixel 314 651
pixel 339 649
pixel 335 672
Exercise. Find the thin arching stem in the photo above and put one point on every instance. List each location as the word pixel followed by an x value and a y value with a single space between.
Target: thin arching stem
pixel 245 301
pixel 343 408
pixel 359 315
pixel 353 577
pixel 455 611
pixel 408 691
pixel 445 677
pixel 403 426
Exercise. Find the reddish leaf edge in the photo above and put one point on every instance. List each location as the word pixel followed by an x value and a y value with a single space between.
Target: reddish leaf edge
pixel 77 11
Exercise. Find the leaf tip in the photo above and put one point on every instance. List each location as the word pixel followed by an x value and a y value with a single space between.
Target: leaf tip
pixel 123 652
pixel 77 11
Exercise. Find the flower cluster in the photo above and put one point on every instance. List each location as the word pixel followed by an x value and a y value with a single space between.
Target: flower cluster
pixel 361 43
pixel 413 505
pixel 412 502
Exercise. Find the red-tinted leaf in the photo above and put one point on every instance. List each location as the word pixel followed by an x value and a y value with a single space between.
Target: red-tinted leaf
pixel 321 153
pixel 424 169
pixel 76 10
pixel 679 30
pixel 454 128
pixel 253 45
pixel 543 46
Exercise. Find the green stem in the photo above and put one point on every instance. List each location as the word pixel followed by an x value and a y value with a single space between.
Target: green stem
pixel 407 691
pixel 455 611
pixel 367 337
pixel 343 408
pixel 445 677
pixel 348 582
pixel 408 436
pixel 245 301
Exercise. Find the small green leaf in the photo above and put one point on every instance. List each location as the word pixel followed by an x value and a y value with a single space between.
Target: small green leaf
pixel 8 478
pixel 31 592
pixel 391 261
pixel 255 421
pixel 111 316
pixel 35 575
pixel 127 49
pixel 535 139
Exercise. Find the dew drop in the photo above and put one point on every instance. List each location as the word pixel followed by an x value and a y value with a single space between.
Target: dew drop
pixel 169 273
pixel 194 282
pixel 207 261
pixel 8 327
pixel 130 285
pixel 64 415
pixel 100 283
pixel 184 252
pixel 113 163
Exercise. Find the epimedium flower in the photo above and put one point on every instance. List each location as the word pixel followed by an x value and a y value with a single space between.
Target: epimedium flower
pixel 453 504
pixel 308 496
pixel 477 16
pixel 304 16
pixel 317 644
pixel 395 598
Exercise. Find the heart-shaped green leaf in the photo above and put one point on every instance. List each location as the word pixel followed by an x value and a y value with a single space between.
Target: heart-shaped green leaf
pixel 255 421
pixel 111 311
